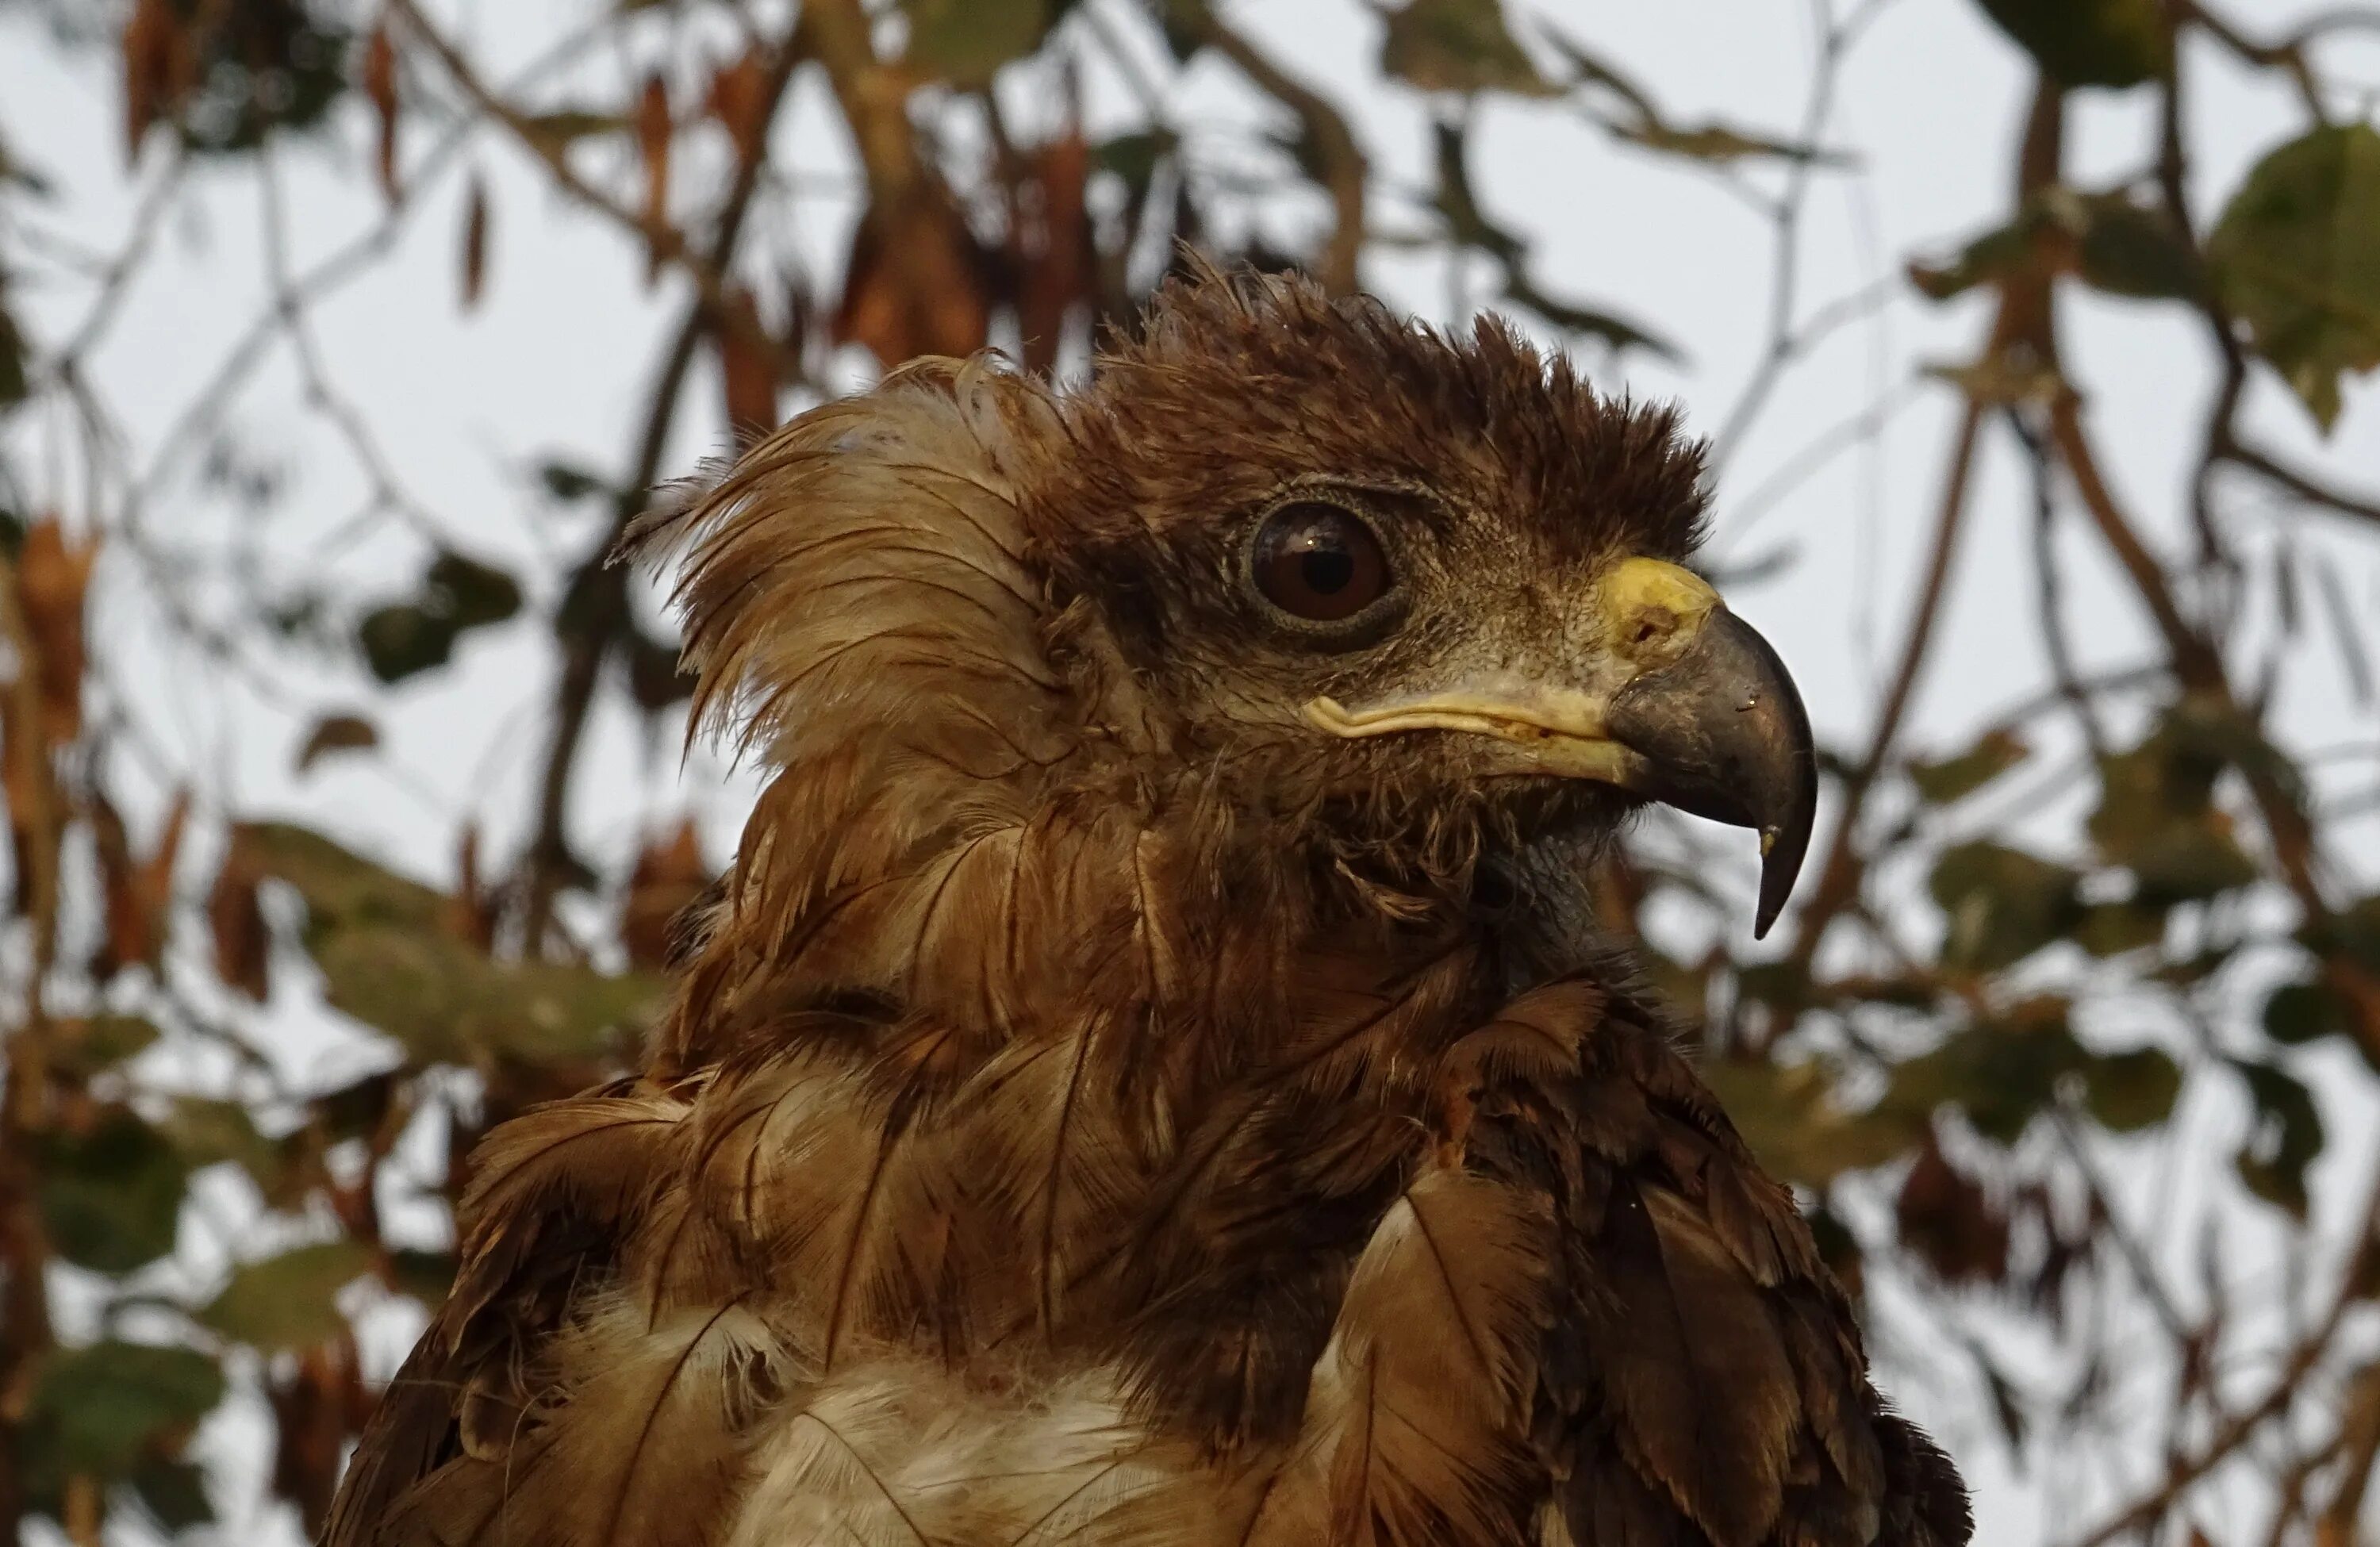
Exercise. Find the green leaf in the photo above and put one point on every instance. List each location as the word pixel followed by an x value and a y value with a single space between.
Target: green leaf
pixel 1467 223
pixel 2287 1137
pixel 112 1193
pixel 1458 46
pixel 2003 905
pixel 342 889
pixel 2355 930
pixel 2127 248
pixel 2191 862
pixel 174 1492
pixel 657 675
pixel 100 1410
pixel 388 960
pixel 447 1003
pixel 1613 330
pixel 289 1302
pixel 2156 814
pixel 966 41
pixel 1796 1128
pixel 13 384
pixel 1722 144
pixel 2129 1091
pixel 90 1046
pixel 402 639
pixel 425 1275
pixel 2088 43
pixel 14 171
pixel 568 480
pixel 562 128
pixel 2112 929
pixel 2297 258
pixel 355 1109
pixel 1994 256
pixel 209 1132
pixel 1134 156
pixel 1636 118
pixel 2109 240
pixel 472 595
pixel 278 68
pixel 2300 1012
pixel 1470 226
pixel 1955 778
pixel 1783 985
pixel 1999 1071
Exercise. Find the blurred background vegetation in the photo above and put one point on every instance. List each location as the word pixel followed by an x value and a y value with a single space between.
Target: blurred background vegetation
pixel 2030 950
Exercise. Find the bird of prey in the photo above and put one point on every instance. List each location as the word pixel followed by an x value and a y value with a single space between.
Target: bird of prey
pixel 1152 1075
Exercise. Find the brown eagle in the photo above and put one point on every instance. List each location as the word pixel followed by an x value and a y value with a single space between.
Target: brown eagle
pixel 1152 1077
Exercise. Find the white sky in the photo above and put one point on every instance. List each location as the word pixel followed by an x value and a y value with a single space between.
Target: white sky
pixel 555 363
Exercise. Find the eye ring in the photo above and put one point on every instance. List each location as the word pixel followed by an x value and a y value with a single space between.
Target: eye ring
pixel 1318 565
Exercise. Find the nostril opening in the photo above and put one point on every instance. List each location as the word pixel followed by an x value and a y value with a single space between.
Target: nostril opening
pixel 1647 631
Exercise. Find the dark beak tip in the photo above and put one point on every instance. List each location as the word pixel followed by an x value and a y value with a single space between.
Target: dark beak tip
pixel 1727 727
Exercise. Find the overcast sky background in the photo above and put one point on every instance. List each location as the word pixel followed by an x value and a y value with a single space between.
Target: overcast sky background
pixel 555 363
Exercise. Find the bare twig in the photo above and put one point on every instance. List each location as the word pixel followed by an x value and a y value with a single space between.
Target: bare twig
pixel 2304 485
pixel 2048 588
pixel 1787 338
pixel 2020 324
pixel 2310 1351
pixel 1339 158
pixel 597 596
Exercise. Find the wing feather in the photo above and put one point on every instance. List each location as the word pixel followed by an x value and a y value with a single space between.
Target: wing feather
pixel 1414 1432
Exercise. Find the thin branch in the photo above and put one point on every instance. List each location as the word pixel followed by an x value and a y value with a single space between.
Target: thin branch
pixel 389 489
pixel 2049 588
pixel 2020 323
pixel 666 242
pixel 2242 1427
pixel 147 221
pixel 1786 338
pixel 2305 486
pixel 1339 158
pixel 1838 872
pixel 598 590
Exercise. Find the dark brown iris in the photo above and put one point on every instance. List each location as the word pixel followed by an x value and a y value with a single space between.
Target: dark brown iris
pixel 1320 562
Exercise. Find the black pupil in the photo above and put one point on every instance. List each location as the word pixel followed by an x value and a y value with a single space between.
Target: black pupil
pixel 1326 569
pixel 1316 562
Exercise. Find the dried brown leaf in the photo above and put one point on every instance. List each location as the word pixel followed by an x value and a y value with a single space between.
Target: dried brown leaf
pixel 125 940
pixel 1053 251
pixel 670 875
pixel 155 51
pixel 243 948
pixel 380 90
pixel 470 913
pixel 53 579
pixel 1949 1222
pixel 748 367
pixel 475 244
pixel 913 284
pixel 739 101
pixel 336 733
pixel 654 132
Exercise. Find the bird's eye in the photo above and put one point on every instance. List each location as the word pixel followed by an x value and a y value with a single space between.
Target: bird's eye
pixel 1318 561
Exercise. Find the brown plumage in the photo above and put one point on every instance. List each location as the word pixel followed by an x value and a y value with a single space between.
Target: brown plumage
pixel 1152 1077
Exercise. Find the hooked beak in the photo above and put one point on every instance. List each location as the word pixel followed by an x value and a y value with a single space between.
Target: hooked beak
pixel 1698 712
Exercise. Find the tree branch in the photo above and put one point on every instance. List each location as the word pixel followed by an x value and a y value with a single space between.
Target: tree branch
pixel 595 599
pixel 1339 159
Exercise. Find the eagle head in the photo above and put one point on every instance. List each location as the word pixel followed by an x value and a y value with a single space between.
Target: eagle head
pixel 1409 584
pixel 1378 596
